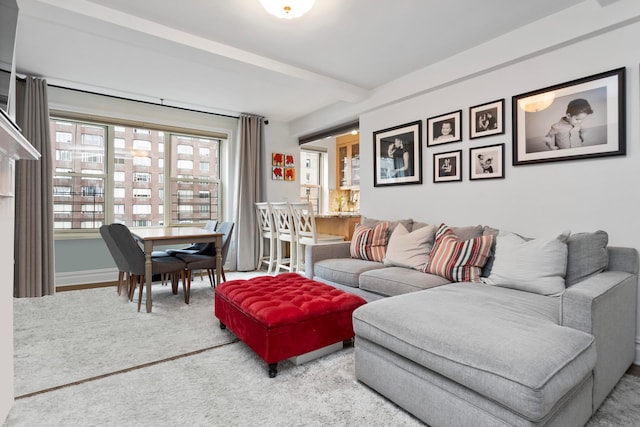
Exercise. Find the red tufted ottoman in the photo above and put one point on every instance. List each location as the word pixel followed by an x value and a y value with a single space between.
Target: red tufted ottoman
pixel 285 315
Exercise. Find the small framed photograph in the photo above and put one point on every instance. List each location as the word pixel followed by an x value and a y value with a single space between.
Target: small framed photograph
pixel 447 166
pixel 486 119
pixel 397 155
pixel 444 129
pixel 486 162
pixel 580 119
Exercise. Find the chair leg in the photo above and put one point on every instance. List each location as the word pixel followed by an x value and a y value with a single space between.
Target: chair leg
pixel 271 255
pixel 120 279
pixel 260 252
pixel 133 281
pixel 141 281
pixel 186 287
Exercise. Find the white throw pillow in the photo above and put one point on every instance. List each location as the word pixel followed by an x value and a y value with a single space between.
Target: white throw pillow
pixel 410 249
pixel 536 265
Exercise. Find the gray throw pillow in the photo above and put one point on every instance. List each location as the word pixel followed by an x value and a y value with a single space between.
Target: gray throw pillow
pixel 535 265
pixel 588 255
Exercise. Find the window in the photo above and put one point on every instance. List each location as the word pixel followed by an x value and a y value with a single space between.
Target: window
pixel 92 157
pixel 139 144
pixel 141 209
pixel 87 194
pixel 141 161
pixel 184 164
pixel 185 149
pixel 142 193
pixel 64 155
pixel 186 207
pixel 310 187
pixel 91 139
pixel 64 137
pixel 141 177
pixel 204 166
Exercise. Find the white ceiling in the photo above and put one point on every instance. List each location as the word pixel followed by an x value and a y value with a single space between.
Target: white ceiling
pixel 230 56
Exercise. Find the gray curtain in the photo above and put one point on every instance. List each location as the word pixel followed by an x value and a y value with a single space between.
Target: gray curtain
pixel 247 191
pixel 34 272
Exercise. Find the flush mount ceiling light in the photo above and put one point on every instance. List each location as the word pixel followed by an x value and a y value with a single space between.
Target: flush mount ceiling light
pixel 287 9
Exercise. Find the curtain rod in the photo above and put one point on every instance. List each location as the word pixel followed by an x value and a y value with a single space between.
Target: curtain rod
pixel 137 100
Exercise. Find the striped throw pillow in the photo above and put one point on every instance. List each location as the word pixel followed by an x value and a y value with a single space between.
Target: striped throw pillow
pixel 459 260
pixel 370 243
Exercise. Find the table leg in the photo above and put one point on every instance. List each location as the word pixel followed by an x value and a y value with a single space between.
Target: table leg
pixel 218 258
pixel 148 271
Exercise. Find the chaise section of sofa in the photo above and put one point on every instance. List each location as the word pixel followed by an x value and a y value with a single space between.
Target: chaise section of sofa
pixel 485 355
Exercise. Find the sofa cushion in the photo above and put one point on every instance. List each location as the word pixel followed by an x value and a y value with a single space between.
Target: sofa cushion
pixel 410 249
pixel 501 343
pixel 459 260
pixel 588 255
pixel 370 243
pixel 345 271
pixel 398 280
pixel 532 265
pixel 372 222
pixel 464 233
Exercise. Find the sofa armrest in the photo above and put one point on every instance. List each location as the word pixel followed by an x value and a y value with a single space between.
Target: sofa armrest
pixel 623 259
pixel 604 306
pixel 315 253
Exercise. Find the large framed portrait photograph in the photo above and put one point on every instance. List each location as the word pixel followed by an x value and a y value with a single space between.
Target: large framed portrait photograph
pixel 397 155
pixel 447 166
pixel 486 119
pixel 486 162
pixel 580 119
pixel 444 128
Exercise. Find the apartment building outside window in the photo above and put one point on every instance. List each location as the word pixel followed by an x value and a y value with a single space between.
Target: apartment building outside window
pixel 92 158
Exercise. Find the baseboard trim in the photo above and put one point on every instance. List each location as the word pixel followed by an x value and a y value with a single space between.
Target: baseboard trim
pixel 84 277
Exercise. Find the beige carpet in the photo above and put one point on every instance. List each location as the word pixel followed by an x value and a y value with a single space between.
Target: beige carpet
pixel 99 342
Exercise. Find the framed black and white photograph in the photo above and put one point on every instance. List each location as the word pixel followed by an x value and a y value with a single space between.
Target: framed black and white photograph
pixel 580 119
pixel 444 129
pixel 486 119
pixel 398 155
pixel 486 162
pixel 447 167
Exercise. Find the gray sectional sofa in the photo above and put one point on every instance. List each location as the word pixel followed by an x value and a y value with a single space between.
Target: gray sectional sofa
pixel 506 352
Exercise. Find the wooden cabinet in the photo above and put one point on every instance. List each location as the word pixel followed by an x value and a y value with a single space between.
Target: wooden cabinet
pixel 341 225
pixel 348 162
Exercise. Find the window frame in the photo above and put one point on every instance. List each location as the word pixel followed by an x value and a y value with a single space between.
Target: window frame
pixel 109 160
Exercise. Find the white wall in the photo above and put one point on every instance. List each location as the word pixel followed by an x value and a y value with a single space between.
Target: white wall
pixel 278 140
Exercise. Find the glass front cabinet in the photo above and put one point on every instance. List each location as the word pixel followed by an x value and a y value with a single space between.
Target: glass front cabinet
pixel 348 162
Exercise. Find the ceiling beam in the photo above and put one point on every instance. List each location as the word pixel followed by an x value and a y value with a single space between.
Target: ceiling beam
pixel 345 91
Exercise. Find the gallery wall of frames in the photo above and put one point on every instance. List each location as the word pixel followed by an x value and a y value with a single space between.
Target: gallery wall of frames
pixel 578 119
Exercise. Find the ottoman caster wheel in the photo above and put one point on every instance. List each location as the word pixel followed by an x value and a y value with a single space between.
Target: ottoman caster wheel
pixel 223 326
pixel 273 370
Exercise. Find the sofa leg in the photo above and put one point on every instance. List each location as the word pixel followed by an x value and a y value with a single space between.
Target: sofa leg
pixel 223 326
pixel 273 370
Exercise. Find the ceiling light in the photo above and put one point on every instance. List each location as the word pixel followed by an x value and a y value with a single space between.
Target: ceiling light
pixel 287 9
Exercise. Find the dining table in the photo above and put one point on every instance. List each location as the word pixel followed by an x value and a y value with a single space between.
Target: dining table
pixel 151 237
